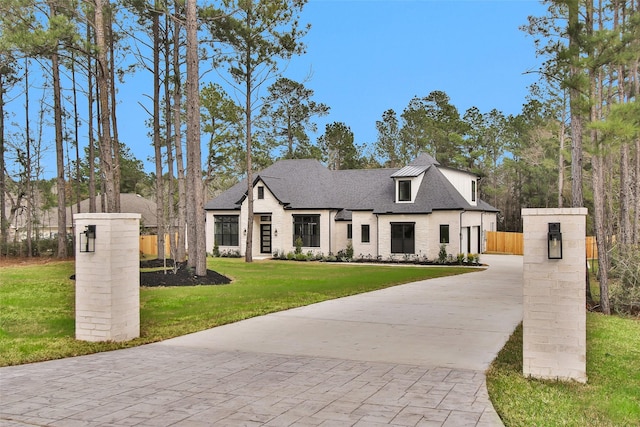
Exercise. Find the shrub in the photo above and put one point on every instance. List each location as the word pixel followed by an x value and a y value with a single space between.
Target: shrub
pixel 216 251
pixel 298 243
pixel 624 290
pixel 442 255
pixel 290 256
pixel 461 258
pixel 301 257
pixel 349 250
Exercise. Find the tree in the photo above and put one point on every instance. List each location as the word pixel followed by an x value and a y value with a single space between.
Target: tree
pixel 287 111
pixel 432 124
pixel 258 33
pixel 338 147
pixel 8 69
pixel 108 148
pixel 389 143
pixel 195 206
pixel 222 120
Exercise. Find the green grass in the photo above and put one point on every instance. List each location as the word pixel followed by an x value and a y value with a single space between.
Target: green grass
pixel 37 301
pixel 611 396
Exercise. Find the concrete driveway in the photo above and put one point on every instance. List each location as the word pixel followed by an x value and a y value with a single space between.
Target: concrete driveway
pixel 411 355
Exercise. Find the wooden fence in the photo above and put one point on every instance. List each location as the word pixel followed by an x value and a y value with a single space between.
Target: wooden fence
pixel 149 244
pixel 513 243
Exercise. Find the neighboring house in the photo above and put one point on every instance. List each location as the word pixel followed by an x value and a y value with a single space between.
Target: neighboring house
pixel 129 203
pixel 383 212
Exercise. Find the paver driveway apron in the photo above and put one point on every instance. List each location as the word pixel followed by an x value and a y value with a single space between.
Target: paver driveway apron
pixel 408 355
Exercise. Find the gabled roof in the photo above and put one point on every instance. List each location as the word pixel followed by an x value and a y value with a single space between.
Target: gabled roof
pixel 307 184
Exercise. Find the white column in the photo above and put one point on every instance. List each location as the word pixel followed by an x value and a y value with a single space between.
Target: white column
pixel 108 279
pixel 554 316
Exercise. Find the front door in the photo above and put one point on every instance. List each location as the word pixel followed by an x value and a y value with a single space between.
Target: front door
pixel 265 238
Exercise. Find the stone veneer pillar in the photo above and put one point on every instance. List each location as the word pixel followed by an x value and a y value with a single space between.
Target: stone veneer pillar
pixel 108 280
pixel 554 313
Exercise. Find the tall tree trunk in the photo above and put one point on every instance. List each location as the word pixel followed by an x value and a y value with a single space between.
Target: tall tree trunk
pixel 4 225
pixel 114 117
pixel 92 146
pixel 27 159
pixel 248 256
pixel 170 223
pixel 195 207
pixel 562 135
pixel 76 126
pixel 57 117
pixel 575 107
pixel 156 134
pixel 177 125
pixel 102 79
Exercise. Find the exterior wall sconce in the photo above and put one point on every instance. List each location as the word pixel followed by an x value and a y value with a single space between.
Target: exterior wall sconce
pixel 244 232
pixel 88 239
pixel 275 233
pixel 554 241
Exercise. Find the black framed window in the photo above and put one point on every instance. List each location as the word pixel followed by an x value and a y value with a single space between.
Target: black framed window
pixel 364 233
pixel 444 233
pixel 403 240
pixel 260 192
pixel 307 227
pixel 226 230
pixel 404 191
pixel 349 231
pixel 473 191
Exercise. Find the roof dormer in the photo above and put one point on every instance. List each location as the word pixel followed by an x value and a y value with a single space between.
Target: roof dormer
pixel 407 182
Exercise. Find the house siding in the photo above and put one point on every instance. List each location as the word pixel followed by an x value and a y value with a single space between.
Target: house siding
pixel 365 249
pixel 462 182
pixel 422 235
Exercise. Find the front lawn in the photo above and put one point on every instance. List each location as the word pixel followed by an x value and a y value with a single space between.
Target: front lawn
pixel 37 301
pixel 611 396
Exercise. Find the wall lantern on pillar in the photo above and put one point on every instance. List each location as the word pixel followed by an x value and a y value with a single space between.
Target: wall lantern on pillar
pixel 88 239
pixel 554 241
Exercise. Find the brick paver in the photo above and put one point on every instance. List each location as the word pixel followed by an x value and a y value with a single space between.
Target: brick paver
pixel 167 386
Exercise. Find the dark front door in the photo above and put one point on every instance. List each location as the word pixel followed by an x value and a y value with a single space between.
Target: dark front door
pixel 265 238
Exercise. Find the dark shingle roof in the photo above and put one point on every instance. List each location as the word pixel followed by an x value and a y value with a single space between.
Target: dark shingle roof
pixel 307 184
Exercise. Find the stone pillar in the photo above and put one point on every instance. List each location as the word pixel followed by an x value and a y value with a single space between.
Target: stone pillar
pixel 554 312
pixel 108 279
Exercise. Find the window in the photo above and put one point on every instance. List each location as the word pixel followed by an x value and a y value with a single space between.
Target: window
pixel 226 230
pixel 444 233
pixel 473 191
pixel 364 232
pixel 403 238
pixel 260 192
pixel 307 227
pixel 404 191
pixel 349 231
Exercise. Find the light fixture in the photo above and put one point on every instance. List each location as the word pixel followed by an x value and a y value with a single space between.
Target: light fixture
pixel 275 233
pixel 554 241
pixel 244 231
pixel 88 239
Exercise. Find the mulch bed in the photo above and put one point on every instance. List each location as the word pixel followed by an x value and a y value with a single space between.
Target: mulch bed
pixel 183 276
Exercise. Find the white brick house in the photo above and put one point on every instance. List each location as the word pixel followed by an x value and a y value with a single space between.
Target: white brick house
pixel 383 212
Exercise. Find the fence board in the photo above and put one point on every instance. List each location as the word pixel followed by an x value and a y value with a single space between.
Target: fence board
pixel 513 243
pixel 149 244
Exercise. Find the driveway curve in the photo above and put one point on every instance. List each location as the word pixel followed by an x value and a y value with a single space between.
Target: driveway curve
pixel 410 355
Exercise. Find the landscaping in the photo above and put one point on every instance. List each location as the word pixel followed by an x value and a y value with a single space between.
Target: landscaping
pixel 37 298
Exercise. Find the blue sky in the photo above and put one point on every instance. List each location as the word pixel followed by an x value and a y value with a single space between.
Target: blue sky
pixel 367 56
